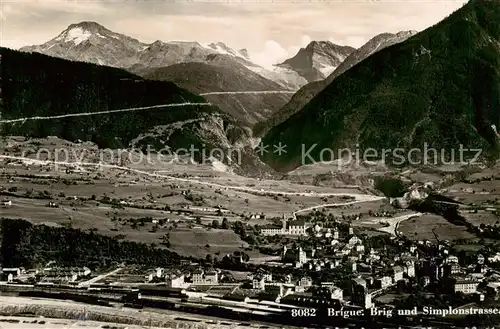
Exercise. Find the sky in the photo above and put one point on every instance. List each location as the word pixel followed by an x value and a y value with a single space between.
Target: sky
pixel 271 30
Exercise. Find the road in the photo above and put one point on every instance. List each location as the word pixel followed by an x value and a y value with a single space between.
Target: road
pixel 360 197
pixel 98 278
pixel 394 223
pixel 266 92
pixel 62 116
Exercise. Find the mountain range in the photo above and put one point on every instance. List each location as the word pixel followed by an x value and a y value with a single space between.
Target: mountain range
pixel 213 67
pixel 93 43
pixel 199 68
pixel 440 87
pixel 36 85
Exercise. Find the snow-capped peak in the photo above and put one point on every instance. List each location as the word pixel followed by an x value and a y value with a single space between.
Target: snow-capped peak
pixel 222 48
pixel 244 53
pixel 76 35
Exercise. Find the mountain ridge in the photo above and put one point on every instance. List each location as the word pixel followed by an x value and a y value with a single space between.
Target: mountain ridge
pixel 317 60
pixel 91 42
pixel 37 85
pixel 224 75
pixel 308 91
pixel 448 75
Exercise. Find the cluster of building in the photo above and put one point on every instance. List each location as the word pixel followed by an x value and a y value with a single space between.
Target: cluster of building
pixel 49 274
pixel 374 272
pixel 178 279
pixel 455 276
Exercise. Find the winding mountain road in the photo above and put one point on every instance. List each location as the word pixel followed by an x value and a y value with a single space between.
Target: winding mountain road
pixel 394 222
pixel 266 92
pixel 69 115
pixel 358 196
pixel 362 198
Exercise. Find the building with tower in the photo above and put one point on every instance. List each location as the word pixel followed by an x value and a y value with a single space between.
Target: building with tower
pixel 288 227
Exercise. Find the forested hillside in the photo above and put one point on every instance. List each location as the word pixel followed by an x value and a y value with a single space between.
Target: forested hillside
pixel 39 85
pixel 25 244
pixel 440 87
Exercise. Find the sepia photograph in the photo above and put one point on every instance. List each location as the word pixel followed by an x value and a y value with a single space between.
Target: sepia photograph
pixel 249 164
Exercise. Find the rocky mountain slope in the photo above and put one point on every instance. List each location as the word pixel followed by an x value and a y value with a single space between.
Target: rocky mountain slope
pixel 221 74
pixel 308 91
pixel 375 44
pixel 440 87
pixel 317 60
pixel 93 43
pixel 36 85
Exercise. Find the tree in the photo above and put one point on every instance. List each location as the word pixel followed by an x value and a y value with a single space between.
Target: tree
pixel 225 224
pixel 198 220
pixel 245 257
pixel 251 239
pixel 215 223
pixel 209 259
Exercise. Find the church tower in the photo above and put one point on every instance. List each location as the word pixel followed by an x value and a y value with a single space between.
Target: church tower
pixel 283 221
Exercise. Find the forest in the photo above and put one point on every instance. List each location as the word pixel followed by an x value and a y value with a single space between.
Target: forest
pixel 28 245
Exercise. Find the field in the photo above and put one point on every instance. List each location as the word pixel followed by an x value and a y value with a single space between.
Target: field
pixel 149 201
pixel 160 196
pixel 199 242
pixel 481 217
pixel 421 229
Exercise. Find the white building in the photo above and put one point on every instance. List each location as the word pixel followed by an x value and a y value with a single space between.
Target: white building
pixel 202 278
pixel 176 281
pixel 334 292
pixel 354 240
pixel 337 293
pixel 293 227
pixel 495 258
pixel 465 285
pixel 272 230
pixel 259 282
pixel 268 277
pixel 383 282
pixel 409 269
pixel 305 282
pixel 397 273
pixel 298 256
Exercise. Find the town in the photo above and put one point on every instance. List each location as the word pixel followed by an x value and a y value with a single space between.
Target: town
pixel 322 269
